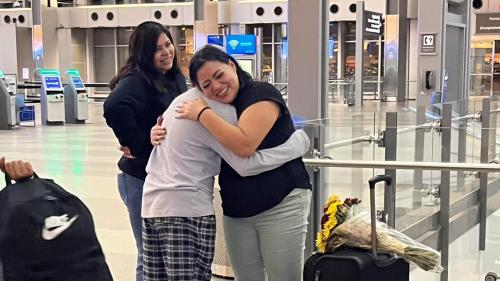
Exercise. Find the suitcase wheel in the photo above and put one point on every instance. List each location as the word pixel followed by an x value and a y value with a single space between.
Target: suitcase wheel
pixel 491 277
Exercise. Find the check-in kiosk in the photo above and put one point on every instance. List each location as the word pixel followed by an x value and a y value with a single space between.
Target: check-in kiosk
pixel 75 98
pixel 52 97
pixel 8 118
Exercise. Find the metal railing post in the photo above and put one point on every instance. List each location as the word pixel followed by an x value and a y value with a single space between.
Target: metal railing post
pixel 462 145
pixel 483 176
pixel 390 143
pixel 316 135
pixel 419 156
pixel 444 190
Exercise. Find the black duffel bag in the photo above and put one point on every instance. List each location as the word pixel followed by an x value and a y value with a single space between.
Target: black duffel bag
pixel 47 233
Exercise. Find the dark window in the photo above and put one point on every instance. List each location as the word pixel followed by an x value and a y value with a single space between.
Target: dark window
pixel 477 4
pixel 334 8
pixel 260 11
pixel 352 8
pixel 278 11
pixel 174 14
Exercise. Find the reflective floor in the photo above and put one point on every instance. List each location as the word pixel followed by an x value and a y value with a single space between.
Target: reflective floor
pixel 82 158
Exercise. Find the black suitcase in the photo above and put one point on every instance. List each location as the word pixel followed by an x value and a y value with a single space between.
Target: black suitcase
pixel 353 264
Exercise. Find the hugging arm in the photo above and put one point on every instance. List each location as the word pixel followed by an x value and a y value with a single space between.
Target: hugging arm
pixel 265 159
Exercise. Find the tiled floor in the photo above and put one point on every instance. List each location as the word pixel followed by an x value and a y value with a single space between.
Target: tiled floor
pixel 82 158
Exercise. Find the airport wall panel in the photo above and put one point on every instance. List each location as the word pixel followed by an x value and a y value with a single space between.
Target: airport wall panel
pixel 412 12
pixel 64 18
pixel 240 12
pixel 102 17
pixel 16 17
pixel 133 16
pixel 345 10
pixel 493 5
pixel 168 15
pixel 480 7
pixel 8 63
pixel 270 12
pixel 224 12
pixel 78 17
pixel 188 14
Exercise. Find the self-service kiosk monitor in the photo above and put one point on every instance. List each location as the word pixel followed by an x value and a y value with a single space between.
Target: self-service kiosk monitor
pixel 52 83
pixel 8 85
pixel 243 47
pixel 52 97
pixel 77 81
pixel 247 64
pixel 76 98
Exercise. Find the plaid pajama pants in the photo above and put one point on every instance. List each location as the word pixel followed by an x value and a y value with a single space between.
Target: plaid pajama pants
pixel 178 248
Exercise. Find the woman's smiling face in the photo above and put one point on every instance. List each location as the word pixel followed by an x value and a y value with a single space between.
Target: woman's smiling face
pixel 218 81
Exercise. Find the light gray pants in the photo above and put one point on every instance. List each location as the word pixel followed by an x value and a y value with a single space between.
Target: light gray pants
pixel 270 245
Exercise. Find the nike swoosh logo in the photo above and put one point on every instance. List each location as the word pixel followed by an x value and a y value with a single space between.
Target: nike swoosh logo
pixel 52 234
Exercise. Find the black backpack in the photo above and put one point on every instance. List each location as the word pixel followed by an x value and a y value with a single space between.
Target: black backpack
pixel 47 233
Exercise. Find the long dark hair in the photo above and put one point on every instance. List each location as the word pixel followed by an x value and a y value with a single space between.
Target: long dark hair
pixel 142 48
pixel 212 53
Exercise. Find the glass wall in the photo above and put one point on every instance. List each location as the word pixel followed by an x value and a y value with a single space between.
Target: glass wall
pixel 373 66
pixel 79 51
pixel 481 68
pixel 274 51
pixel 111 52
pixel 333 48
pixel 105 58
pixel 186 48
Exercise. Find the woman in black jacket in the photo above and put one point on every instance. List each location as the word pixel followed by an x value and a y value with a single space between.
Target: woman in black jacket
pixel 141 92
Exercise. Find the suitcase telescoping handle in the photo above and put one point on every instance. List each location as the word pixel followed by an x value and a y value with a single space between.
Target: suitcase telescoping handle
pixel 372 182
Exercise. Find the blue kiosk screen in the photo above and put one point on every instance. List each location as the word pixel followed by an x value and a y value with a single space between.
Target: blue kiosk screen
pixel 78 83
pixel 53 83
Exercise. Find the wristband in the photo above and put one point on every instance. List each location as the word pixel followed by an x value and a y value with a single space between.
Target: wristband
pixel 201 111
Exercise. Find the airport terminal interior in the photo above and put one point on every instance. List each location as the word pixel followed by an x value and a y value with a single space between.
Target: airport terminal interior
pixel 408 88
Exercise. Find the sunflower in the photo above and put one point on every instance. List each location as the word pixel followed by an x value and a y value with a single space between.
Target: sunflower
pixel 335 213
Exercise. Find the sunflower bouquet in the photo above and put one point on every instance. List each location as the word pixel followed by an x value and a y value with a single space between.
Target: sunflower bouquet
pixel 341 227
pixel 335 213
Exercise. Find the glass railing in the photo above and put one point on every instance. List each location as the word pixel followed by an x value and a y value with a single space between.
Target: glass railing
pixel 421 195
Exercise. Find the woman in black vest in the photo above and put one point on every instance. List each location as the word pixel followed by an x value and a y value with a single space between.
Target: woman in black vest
pixel 141 92
pixel 265 216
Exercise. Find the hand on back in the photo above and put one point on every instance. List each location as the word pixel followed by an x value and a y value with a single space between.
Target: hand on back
pixel 158 133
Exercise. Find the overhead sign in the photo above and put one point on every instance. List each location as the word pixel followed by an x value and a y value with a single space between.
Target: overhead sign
pixel 488 23
pixel 428 43
pixel 241 44
pixel 373 23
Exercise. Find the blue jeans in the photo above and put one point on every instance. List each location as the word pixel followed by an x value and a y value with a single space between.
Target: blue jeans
pixel 130 189
pixel 270 245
